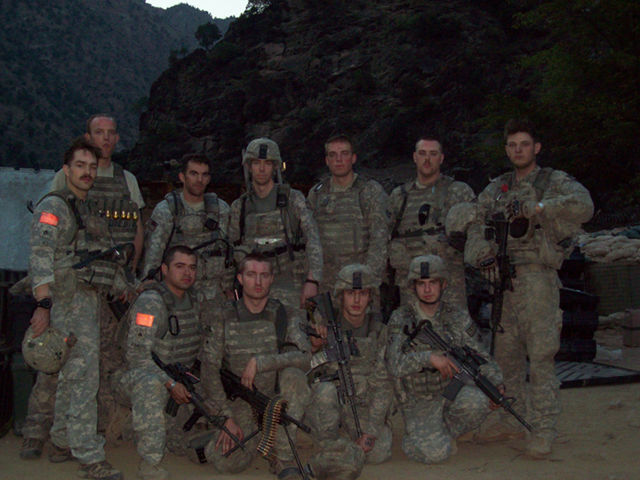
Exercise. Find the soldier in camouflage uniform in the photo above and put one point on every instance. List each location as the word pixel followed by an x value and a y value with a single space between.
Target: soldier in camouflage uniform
pixel 165 320
pixel 544 207
pixel 363 332
pixel 66 226
pixel 432 423
pixel 419 211
pixel 118 195
pixel 273 219
pixel 351 213
pixel 193 218
pixel 258 339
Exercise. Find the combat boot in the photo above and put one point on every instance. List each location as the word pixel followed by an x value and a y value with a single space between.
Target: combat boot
pixel 31 448
pixel 100 471
pixel 538 448
pixel 59 454
pixel 499 431
pixel 147 471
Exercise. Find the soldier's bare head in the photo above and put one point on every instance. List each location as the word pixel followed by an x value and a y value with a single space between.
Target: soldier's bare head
pixel 254 257
pixel 195 176
pixel 255 274
pixel 428 158
pixel 80 166
pixel 102 130
pixel 340 158
pixel 179 266
pixel 521 145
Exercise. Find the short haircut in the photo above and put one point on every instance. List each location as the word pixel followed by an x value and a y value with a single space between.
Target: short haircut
pixel 254 257
pixel 340 137
pixel 428 138
pixel 100 115
pixel 81 143
pixel 516 125
pixel 172 251
pixel 195 158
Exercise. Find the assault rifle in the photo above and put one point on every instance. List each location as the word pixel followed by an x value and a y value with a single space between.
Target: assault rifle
pixel 268 411
pixel 468 362
pixel 338 350
pixel 506 271
pixel 181 374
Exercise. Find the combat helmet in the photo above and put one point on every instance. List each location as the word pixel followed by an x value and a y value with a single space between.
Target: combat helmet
pixel 427 266
pixel 262 148
pixel 355 277
pixel 47 352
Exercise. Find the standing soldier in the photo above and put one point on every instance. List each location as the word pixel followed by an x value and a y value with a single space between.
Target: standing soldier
pixel 363 334
pixel 163 320
pixel 198 220
pixel 422 371
pixel 419 212
pixel 544 207
pixel 67 287
pixel 273 219
pixel 258 339
pixel 350 211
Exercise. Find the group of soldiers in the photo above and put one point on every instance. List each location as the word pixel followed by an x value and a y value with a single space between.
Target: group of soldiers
pixel 242 297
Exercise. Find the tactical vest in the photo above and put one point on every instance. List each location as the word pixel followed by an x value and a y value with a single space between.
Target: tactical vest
pixel 344 232
pixel 113 199
pixel 272 233
pixel 363 345
pixel 247 337
pixel 426 205
pixel 89 239
pixel 428 382
pixel 192 229
pixel 537 244
pixel 179 339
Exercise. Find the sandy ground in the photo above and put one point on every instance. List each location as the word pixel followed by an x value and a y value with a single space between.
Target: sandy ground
pixel 599 440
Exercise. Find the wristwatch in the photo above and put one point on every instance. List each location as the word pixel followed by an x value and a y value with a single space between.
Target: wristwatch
pixel 45 303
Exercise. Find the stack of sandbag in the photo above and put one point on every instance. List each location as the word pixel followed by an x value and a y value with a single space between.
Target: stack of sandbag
pixel 612 246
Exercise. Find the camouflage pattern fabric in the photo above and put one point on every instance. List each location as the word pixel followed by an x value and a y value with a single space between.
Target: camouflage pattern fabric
pixel 432 422
pixel 40 408
pixel 531 317
pixel 353 226
pixel 149 331
pixel 374 394
pixel 421 232
pixel 185 224
pixel 233 335
pixel 264 232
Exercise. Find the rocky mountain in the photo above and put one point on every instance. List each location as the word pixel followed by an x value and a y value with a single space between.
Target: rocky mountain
pixel 384 71
pixel 62 61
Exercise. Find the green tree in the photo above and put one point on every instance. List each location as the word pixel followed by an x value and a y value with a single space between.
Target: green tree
pixel 207 34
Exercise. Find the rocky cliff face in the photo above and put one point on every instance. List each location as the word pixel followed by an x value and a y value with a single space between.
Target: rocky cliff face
pixel 62 61
pixel 381 71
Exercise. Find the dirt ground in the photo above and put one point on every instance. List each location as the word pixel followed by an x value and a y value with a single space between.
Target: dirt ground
pixel 599 440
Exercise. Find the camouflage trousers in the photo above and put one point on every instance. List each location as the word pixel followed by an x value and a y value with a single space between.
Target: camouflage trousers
pixel 339 457
pixel 532 320
pixel 43 393
pixel 432 423
pixel 75 421
pixel 295 390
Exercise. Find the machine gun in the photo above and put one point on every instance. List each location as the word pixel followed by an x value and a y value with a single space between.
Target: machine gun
pixel 468 362
pixel 338 350
pixel 506 272
pixel 270 413
pixel 181 374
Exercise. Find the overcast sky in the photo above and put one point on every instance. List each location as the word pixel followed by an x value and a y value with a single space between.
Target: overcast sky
pixel 217 8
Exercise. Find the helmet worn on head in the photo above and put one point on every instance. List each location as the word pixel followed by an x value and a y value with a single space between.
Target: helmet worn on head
pixel 460 216
pixel 47 352
pixel 263 148
pixel 355 277
pixel 427 266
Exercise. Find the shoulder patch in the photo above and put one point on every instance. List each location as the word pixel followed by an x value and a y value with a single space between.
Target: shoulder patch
pixel 48 218
pixel 144 319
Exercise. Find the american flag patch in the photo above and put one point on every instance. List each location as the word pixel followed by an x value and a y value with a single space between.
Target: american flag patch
pixel 48 218
pixel 144 319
